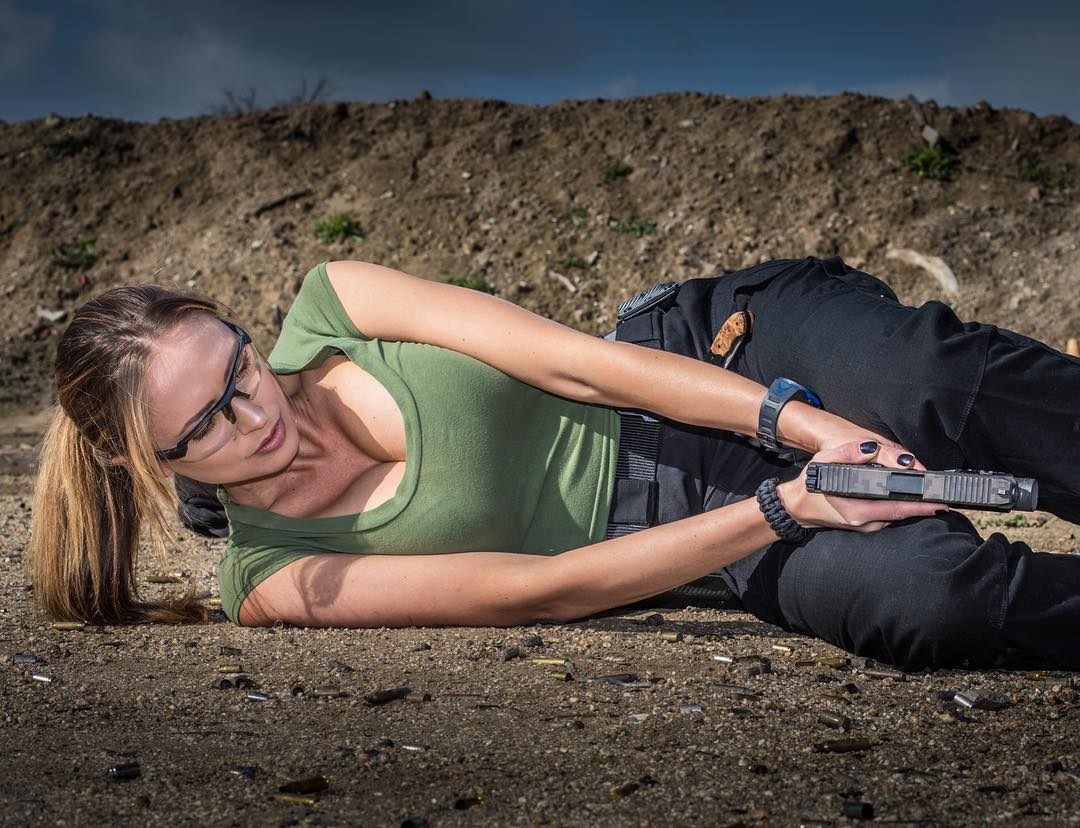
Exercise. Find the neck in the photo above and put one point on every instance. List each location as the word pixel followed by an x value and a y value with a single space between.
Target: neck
pixel 263 492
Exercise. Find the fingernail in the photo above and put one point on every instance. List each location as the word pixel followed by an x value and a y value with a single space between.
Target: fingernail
pixel 939 511
pixel 905 459
pixel 869 447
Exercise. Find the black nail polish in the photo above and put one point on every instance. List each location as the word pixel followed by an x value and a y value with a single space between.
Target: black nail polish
pixel 869 447
pixel 905 459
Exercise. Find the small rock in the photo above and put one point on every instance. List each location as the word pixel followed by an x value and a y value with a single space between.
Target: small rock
pixel 686 123
pixel 466 175
pixel 51 315
pixel 510 653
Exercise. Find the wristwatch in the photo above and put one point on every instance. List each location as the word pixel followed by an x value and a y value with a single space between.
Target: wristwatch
pixel 780 392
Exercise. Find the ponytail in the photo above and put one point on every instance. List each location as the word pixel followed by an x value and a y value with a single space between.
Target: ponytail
pixel 89 510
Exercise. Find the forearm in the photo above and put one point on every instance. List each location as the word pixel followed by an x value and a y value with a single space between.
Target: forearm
pixel 629 568
pixel 699 393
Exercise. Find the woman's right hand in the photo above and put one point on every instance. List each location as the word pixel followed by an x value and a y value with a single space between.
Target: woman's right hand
pixel 858 514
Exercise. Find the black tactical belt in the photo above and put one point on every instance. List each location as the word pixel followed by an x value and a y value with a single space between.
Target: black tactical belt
pixel 634 499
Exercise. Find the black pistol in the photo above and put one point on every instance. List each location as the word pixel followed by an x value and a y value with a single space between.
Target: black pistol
pixel 965 488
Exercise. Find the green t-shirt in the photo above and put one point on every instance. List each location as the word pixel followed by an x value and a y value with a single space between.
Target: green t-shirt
pixel 492 463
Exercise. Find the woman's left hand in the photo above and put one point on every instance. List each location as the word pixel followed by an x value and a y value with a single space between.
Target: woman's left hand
pixel 846 431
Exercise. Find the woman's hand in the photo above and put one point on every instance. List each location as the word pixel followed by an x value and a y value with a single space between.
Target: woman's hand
pixel 843 431
pixel 817 510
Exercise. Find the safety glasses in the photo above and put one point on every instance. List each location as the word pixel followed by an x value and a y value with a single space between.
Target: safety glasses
pixel 223 405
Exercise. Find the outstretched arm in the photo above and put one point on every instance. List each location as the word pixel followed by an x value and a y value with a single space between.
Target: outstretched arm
pixel 507 588
pixel 388 304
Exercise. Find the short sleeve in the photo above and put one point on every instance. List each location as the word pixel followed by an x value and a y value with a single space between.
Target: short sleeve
pixel 244 566
pixel 316 315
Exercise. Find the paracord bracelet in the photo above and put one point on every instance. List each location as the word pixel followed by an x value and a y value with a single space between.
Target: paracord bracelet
pixel 781 522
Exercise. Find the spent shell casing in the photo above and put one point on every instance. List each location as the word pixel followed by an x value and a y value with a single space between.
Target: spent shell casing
pixel 230 668
pixel 384 696
pixel 724 659
pixel 844 745
pixel 224 684
pixel 246 771
pixel 884 673
pixel 305 786
pixel 668 635
pixel 120 773
pixel 297 690
pixel 296 799
pixel 413 747
pixel 213 602
pixel 546 660
pixel 242 682
pixel 963 701
pixel 783 648
pixel 858 809
pixel 255 695
pixel 44 679
pixel 225 650
pixel 68 625
pixel 327 691
pixel 838 663
pixel 827 717
pixel 24 658
pixel 561 675
pixel 165 578
pixel 617 678
pixel 689 708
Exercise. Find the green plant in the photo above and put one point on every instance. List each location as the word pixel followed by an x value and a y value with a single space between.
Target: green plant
pixel 1017 521
pixel 635 227
pixel 616 170
pixel 337 228
pixel 1056 178
pixel 929 162
pixel 577 215
pixel 68 145
pixel 573 260
pixel 79 254
pixel 471 282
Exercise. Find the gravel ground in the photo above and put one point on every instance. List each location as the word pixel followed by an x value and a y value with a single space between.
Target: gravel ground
pixel 487 735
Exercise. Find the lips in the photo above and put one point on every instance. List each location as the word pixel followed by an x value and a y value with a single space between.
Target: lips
pixel 274 439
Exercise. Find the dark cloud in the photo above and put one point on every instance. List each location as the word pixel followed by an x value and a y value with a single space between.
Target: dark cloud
pixel 168 58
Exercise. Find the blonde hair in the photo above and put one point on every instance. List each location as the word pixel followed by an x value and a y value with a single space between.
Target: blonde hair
pixel 88 509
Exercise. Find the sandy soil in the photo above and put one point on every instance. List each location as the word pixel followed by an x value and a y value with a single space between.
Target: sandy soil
pixel 480 739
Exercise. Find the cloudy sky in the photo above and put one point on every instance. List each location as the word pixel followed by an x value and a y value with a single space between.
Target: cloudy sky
pixel 146 59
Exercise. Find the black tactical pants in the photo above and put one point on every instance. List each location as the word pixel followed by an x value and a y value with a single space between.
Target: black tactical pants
pixel 925 592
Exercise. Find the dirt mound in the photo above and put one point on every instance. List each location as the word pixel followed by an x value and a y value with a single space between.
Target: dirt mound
pixel 610 195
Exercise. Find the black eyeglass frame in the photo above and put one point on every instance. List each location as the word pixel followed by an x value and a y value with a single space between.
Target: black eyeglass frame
pixel 224 404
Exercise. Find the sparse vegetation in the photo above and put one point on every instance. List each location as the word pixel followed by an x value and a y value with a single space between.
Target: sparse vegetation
pixel 240 103
pixel 573 260
pixel 1057 177
pixel 635 227
pixel 79 254
pixel 338 228
pixel 930 162
pixel 578 216
pixel 68 145
pixel 616 170
pixel 1012 521
pixel 471 282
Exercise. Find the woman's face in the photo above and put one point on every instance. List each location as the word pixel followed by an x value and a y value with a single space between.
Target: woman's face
pixel 188 374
